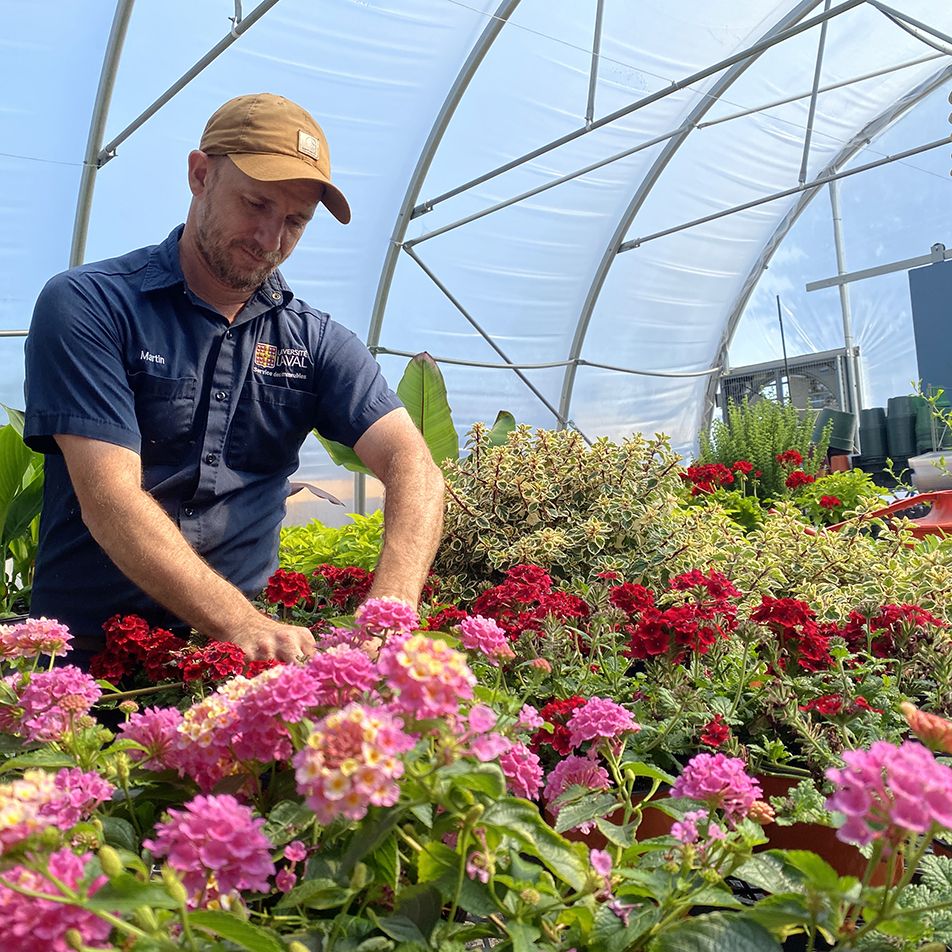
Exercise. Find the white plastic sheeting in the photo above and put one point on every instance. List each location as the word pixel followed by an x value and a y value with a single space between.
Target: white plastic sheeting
pixel 540 281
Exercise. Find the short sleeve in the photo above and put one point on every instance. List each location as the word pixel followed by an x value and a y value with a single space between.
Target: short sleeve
pixel 75 373
pixel 352 392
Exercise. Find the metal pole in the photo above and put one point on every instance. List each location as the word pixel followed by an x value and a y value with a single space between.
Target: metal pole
pixel 750 52
pixel 360 493
pixel 593 75
pixel 816 85
pixel 97 127
pixel 856 395
pixel 816 183
pixel 783 347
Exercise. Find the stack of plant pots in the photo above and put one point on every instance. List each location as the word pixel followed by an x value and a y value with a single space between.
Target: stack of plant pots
pixel 841 443
pixel 901 416
pixel 872 439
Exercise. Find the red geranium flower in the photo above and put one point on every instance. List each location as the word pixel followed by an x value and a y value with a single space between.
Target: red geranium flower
pixel 793 457
pixel 715 732
pixel 742 466
pixel 217 661
pixel 798 478
pixel 556 713
pixel 830 502
pixel 631 598
pixel 287 588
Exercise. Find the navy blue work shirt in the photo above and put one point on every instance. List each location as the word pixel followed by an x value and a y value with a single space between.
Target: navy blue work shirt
pixel 122 351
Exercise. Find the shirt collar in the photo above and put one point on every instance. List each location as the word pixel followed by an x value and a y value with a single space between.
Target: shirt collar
pixel 164 270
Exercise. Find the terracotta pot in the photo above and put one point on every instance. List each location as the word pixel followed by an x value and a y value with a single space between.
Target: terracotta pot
pixel 845 858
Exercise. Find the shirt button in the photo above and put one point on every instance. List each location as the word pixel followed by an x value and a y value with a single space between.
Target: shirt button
pixel 220 395
pixel 188 511
pixel 229 334
pixel 211 458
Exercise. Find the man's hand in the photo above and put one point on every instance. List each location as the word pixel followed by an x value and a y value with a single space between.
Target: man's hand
pixel 265 638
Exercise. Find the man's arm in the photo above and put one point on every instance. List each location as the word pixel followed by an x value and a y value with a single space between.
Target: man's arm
pixel 147 547
pixel 413 505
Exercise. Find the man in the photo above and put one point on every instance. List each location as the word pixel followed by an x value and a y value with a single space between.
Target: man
pixel 171 389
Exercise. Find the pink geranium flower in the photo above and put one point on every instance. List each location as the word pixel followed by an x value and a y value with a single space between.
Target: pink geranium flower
pixel 719 781
pixel 485 636
pixel 523 771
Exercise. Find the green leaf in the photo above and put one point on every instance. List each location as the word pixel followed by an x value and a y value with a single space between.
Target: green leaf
pixel 523 936
pixel 422 904
pixel 343 455
pixel 15 460
pixel 638 769
pixel 781 913
pixel 17 418
pixel 818 872
pixel 286 821
pixel 521 820
pixel 38 758
pixel 423 392
pixel 504 425
pixel 125 893
pixel 715 933
pixel 316 894
pixel 398 927
pixel 24 508
pixel 230 927
pixel 439 866
pixel 120 833
pixel 769 872
pixel 479 778
pixel 591 807
pixel 368 836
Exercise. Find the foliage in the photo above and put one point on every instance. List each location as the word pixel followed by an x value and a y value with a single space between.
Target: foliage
pixel 759 432
pixel 745 510
pixel 546 498
pixel 21 495
pixel 423 392
pixel 829 498
pixel 305 547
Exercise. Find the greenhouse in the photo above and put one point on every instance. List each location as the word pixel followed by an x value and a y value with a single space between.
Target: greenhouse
pixel 473 476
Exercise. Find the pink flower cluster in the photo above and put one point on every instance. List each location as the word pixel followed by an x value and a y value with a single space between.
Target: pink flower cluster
pixel 341 674
pixel 381 617
pixel 888 791
pixel 50 703
pixel 217 846
pixel 484 635
pixel 570 772
pixel 523 771
pixel 40 799
pixel 33 637
pixel 27 922
pixel 719 781
pixel 429 678
pixel 599 718
pixel 351 761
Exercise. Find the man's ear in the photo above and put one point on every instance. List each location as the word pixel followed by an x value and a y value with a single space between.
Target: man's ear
pixel 198 167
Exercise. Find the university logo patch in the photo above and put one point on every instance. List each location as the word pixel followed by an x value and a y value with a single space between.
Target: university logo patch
pixel 266 355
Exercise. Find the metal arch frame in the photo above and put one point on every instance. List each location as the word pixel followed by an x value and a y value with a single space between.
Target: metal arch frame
pixel 480 48
pixel 870 131
pixel 707 102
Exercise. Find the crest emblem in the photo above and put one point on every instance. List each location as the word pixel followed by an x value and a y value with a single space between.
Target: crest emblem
pixel 266 355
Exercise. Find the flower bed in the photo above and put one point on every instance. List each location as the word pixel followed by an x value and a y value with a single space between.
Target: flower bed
pixel 350 803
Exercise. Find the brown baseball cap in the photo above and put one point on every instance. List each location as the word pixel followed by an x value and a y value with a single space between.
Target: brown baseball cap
pixel 273 139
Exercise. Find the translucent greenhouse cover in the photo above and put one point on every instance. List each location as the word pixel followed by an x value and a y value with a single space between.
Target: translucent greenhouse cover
pixel 599 300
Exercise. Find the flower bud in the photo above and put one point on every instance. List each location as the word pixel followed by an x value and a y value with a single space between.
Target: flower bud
pixel 145 918
pixel 530 896
pixel 761 812
pixel 295 946
pixel 128 707
pixel 74 939
pixel 474 813
pixel 173 885
pixel 110 862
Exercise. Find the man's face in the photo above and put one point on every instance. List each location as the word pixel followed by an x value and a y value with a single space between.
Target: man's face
pixel 246 228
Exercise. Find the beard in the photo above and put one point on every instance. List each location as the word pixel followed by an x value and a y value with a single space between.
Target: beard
pixel 227 264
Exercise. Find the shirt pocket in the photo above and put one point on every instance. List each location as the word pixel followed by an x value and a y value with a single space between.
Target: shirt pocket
pixel 165 411
pixel 268 428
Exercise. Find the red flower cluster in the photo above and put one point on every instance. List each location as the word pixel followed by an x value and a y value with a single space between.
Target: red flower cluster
pixel 715 732
pixel 444 619
pixel 798 478
pixel 790 458
pixel 830 502
pixel 743 466
pixel 707 477
pixel 556 713
pixel 800 637
pixel 631 598
pixel 888 633
pixel 131 643
pixel 694 626
pixel 218 661
pixel 525 598
pixel 830 705
pixel 288 588
pixel 342 588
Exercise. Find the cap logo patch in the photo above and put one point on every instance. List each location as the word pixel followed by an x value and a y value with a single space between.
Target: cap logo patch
pixel 308 145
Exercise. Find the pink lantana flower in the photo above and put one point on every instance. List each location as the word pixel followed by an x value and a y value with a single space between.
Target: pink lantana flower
pixel 599 718
pixel 217 846
pixel 719 781
pixel 887 791
pixel 523 771
pixel 342 675
pixel 156 729
pixel 33 637
pixel 484 635
pixel 570 772
pixel 54 702
pixel 27 922
pixel 352 761
pixel 429 678
pixel 380 617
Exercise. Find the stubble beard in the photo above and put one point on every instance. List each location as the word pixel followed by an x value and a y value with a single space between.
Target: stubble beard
pixel 218 257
